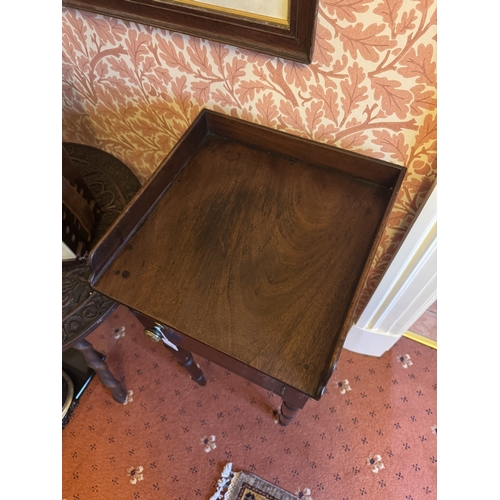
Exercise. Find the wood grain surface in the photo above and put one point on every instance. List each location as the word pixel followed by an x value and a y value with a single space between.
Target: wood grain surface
pixel 254 254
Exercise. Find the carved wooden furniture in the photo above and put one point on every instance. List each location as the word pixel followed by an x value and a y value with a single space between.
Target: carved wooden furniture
pixel 68 391
pixel 250 246
pixel 79 211
pixel 111 185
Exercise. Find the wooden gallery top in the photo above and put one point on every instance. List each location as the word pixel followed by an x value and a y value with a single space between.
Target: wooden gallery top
pixel 253 242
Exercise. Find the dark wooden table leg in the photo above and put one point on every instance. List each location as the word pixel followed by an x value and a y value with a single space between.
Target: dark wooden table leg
pixel 292 402
pixel 161 333
pixel 95 362
pixel 287 413
pixel 185 359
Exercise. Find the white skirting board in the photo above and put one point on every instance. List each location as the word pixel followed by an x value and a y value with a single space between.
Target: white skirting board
pixel 368 342
pixel 407 289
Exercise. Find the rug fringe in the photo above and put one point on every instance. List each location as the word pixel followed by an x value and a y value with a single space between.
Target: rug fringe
pixel 224 483
pixel 230 488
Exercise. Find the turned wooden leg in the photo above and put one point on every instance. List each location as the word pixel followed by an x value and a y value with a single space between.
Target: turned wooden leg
pixel 160 333
pixel 185 359
pixel 292 402
pixel 287 413
pixel 95 362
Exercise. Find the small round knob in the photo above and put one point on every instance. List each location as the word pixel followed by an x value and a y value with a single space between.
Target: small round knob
pixel 153 334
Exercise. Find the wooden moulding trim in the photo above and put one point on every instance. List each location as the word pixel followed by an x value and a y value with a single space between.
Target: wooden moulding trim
pixel 372 170
pixel 228 362
pixel 140 206
pixel 348 322
pixel 295 42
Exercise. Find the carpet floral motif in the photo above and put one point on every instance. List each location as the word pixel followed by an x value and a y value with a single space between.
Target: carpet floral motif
pixel 129 398
pixel 208 443
pixel 118 332
pixel 375 463
pixel 343 386
pixel 405 360
pixel 304 494
pixel 135 474
pixel 376 441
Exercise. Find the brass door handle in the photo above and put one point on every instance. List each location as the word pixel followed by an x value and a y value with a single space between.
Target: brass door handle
pixel 156 335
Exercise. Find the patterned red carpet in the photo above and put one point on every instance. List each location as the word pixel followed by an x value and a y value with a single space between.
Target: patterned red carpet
pixel 372 435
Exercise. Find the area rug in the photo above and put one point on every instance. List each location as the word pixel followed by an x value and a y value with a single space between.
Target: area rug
pixel 246 486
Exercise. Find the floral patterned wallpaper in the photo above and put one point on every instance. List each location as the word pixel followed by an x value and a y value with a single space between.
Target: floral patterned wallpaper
pixel 132 90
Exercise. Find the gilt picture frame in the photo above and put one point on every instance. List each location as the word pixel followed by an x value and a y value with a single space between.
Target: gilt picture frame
pixel 288 34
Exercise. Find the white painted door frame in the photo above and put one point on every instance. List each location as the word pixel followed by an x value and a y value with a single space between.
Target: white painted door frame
pixel 406 290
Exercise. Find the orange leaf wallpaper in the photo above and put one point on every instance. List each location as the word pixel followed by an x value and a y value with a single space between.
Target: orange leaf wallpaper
pixel 132 90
